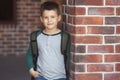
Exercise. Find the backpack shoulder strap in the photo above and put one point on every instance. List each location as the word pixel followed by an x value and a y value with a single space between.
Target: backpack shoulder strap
pixel 34 45
pixel 64 40
pixel 34 42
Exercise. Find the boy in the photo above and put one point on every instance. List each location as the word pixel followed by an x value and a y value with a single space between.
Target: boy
pixel 50 64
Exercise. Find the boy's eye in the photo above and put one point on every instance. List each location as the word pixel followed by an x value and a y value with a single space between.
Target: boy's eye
pixel 45 17
pixel 52 16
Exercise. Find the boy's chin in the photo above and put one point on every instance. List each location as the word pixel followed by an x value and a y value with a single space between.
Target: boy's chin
pixel 51 27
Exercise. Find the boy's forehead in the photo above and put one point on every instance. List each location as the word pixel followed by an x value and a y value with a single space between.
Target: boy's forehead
pixel 50 11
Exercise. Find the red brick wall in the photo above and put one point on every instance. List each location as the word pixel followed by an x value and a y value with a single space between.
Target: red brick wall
pixel 14 39
pixel 95 29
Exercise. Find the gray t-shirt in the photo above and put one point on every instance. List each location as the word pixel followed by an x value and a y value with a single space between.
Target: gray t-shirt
pixel 50 60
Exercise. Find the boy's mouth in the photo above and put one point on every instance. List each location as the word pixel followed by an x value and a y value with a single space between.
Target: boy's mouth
pixel 49 24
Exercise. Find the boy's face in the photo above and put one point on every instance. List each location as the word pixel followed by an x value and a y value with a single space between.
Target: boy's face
pixel 50 19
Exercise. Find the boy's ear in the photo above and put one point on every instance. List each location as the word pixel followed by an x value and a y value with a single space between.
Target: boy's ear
pixel 60 17
pixel 41 19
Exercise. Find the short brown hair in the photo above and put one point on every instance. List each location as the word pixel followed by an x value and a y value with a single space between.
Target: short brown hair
pixel 50 5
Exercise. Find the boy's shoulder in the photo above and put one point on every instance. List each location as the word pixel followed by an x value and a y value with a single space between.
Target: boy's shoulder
pixel 36 32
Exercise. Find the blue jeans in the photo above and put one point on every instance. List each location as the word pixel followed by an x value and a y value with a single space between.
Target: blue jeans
pixel 42 78
pixel 61 79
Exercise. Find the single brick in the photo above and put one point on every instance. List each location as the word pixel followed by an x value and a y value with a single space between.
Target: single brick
pixel 88 58
pixel 112 2
pixel 112 58
pixel 101 49
pixel 80 30
pixel 117 67
pixel 78 68
pixel 88 39
pixel 77 30
pixel 118 11
pixel 100 30
pixel 101 11
pixel 118 29
pixel 88 20
pixel 78 58
pixel 112 76
pixel 78 49
pixel 117 48
pixel 112 20
pixel 100 67
pixel 93 58
pixel 95 76
pixel 89 2
pixel 112 39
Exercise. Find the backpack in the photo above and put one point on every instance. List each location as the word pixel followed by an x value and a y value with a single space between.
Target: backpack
pixel 64 39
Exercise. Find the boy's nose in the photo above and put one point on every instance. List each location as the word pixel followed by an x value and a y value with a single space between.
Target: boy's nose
pixel 49 19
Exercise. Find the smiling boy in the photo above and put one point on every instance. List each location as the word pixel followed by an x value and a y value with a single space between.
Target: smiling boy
pixel 51 63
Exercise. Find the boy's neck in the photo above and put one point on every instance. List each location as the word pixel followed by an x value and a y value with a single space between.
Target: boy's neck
pixel 51 31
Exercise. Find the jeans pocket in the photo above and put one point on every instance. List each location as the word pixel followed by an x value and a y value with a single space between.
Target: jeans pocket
pixel 36 78
pixel 40 78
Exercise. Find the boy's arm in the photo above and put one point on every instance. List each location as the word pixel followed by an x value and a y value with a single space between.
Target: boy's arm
pixel 29 58
pixel 30 64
